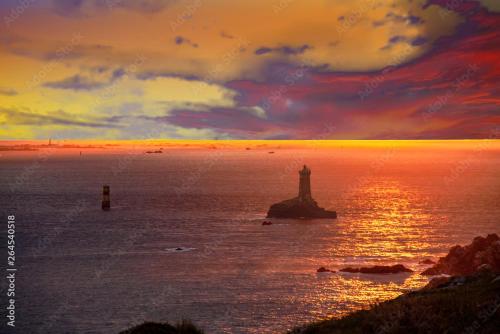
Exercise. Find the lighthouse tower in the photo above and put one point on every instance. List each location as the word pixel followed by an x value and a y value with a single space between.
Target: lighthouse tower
pixel 305 184
pixel 302 206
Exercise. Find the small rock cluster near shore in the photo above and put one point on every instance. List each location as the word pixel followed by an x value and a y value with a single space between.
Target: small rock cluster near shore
pixel 395 269
pixel 483 254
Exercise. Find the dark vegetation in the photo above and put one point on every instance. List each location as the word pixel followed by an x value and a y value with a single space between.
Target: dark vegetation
pixel 185 327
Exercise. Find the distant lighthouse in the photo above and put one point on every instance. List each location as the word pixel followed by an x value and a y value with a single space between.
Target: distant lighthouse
pixel 305 184
pixel 106 203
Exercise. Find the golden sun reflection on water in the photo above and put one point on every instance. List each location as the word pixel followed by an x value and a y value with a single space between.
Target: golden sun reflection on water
pixel 389 231
pixel 391 226
pixel 371 289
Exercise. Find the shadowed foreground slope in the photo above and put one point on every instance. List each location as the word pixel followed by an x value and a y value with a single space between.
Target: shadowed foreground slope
pixel 184 327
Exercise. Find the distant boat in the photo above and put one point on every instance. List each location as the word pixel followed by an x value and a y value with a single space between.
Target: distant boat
pixel 271 152
pixel 153 152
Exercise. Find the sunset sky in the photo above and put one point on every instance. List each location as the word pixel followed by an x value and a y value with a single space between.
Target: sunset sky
pixel 260 69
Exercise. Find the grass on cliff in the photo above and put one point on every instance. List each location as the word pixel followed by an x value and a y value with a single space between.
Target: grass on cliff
pixel 471 308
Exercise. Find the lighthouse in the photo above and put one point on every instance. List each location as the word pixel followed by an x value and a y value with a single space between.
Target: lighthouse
pixel 305 184
pixel 302 206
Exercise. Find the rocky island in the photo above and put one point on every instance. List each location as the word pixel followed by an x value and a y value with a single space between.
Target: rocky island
pixel 302 206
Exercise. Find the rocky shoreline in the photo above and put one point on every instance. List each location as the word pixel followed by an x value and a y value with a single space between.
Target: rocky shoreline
pixel 460 304
pixel 466 302
pixel 465 260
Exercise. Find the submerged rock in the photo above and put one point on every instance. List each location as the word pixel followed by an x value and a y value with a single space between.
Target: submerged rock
pixel 397 268
pixel 302 206
pixel 427 261
pixel 469 259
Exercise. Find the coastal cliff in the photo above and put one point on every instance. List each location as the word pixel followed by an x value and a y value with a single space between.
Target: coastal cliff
pixel 465 260
pixel 468 305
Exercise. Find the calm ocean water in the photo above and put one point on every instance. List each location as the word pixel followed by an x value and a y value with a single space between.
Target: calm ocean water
pixel 82 270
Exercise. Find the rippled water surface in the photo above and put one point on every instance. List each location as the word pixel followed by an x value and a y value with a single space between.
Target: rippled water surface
pixel 82 270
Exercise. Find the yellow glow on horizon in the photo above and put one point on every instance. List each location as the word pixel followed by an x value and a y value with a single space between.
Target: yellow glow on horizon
pixel 266 144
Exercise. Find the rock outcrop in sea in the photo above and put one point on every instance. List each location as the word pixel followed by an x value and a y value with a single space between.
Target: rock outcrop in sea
pixel 464 260
pixel 427 261
pixel 395 269
pixel 302 206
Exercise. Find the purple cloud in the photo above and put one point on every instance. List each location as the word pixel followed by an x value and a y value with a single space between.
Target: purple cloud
pixel 284 50
pixel 75 82
pixel 179 40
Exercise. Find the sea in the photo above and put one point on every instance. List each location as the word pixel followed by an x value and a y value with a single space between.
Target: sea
pixel 184 238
